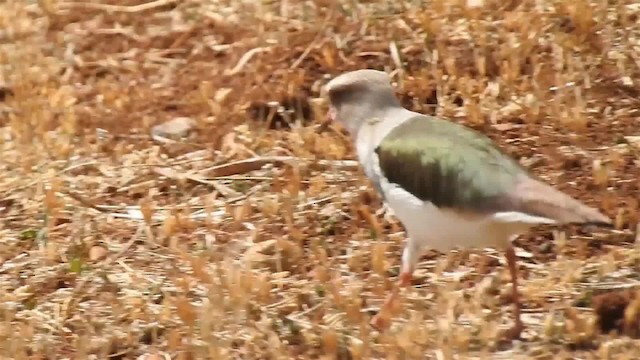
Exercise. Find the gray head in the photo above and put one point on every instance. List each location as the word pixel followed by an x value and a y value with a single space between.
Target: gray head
pixel 358 95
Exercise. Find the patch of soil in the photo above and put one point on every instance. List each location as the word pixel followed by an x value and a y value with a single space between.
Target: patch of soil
pixel 618 311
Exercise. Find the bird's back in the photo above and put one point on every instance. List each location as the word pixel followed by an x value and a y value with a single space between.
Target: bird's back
pixel 446 163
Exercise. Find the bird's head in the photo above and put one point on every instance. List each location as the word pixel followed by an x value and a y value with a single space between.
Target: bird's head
pixel 358 95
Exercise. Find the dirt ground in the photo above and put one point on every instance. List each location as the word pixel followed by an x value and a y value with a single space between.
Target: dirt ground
pixel 166 193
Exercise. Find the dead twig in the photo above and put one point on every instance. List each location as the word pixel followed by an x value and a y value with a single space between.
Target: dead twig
pixel 174 175
pixel 244 59
pixel 247 165
pixel 118 8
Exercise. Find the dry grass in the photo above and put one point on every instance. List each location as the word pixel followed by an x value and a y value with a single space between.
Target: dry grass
pixel 259 238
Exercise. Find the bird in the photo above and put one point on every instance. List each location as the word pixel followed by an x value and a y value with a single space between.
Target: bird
pixel 449 185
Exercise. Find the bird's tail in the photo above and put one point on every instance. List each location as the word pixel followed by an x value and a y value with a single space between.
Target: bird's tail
pixel 537 198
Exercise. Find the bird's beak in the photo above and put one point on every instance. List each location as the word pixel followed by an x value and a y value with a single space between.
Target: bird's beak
pixel 328 124
pixel 329 118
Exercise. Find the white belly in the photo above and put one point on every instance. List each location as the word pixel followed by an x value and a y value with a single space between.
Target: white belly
pixel 444 230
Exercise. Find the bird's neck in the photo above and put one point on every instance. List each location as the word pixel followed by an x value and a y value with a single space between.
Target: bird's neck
pixel 364 115
pixel 378 123
pixel 374 128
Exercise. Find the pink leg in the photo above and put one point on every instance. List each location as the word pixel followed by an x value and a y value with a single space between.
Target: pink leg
pixel 517 328
pixel 410 257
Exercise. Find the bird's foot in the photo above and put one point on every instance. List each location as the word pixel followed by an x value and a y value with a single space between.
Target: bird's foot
pixel 514 332
pixel 380 321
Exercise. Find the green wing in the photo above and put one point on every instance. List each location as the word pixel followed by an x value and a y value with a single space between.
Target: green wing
pixel 447 164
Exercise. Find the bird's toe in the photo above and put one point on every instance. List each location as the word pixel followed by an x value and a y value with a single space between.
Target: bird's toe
pixel 514 332
pixel 380 322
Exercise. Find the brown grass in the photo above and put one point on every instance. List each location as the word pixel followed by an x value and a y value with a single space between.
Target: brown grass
pixel 257 237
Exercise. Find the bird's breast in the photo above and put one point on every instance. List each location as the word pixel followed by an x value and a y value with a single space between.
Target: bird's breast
pixel 443 229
